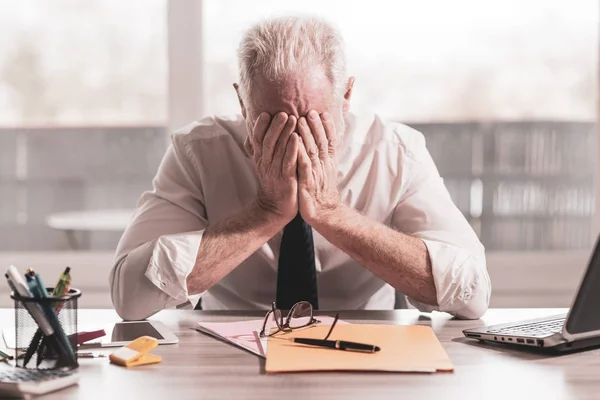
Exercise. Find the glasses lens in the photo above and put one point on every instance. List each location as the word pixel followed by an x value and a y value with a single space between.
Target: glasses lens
pixel 301 315
pixel 273 319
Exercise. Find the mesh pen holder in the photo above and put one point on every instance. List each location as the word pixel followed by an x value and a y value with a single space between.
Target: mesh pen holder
pixel 44 340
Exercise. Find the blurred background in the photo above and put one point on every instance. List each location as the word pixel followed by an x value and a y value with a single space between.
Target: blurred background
pixel 505 92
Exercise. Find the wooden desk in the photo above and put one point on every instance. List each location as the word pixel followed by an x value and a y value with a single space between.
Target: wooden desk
pixel 200 367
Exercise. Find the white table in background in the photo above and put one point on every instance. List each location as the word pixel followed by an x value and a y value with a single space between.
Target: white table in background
pixel 109 220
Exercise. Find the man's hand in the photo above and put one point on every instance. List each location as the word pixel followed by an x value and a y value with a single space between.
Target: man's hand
pixel 275 158
pixel 318 195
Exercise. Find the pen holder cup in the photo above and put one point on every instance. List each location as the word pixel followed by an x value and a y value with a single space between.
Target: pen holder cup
pixel 34 319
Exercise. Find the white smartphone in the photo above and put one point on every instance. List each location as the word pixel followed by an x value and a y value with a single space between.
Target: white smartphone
pixel 121 333
pixel 118 334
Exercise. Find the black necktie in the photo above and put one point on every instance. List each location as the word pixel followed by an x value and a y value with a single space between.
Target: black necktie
pixel 297 276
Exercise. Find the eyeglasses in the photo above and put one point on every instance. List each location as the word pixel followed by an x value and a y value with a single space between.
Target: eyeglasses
pixel 300 316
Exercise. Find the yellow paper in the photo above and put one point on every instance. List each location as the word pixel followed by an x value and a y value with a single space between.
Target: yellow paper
pixel 403 349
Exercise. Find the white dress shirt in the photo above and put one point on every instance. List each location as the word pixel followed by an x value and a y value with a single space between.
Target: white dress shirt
pixel 385 172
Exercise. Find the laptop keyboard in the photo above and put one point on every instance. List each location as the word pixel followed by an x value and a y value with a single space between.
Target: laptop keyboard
pixel 535 329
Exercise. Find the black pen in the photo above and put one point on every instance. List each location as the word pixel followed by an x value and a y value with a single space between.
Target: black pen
pixel 338 345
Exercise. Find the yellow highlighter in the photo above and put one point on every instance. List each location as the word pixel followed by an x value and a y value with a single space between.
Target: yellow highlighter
pixel 136 353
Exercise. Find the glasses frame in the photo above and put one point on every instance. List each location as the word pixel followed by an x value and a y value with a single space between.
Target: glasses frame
pixel 285 326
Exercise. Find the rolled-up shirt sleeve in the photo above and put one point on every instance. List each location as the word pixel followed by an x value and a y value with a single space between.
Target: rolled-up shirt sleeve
pixel 457 256
pixel 158 249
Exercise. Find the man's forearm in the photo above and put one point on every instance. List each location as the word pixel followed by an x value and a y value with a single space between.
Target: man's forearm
pixel 227 244
pixel 400 260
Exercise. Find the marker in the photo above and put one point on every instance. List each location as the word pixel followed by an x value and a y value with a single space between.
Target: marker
pixel 36 286
pixel 62 287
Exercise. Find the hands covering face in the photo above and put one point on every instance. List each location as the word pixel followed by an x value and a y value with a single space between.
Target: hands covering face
pixel 295 163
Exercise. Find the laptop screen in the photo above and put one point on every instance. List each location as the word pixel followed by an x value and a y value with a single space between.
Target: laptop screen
pixel 585 314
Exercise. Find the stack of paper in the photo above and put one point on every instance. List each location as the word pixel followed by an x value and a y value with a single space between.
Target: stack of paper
pixel 403 349
pixel 239 333
pixel 412 348
pixel 245 334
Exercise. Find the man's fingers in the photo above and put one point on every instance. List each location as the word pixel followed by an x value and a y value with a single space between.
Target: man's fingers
pixel 290 159
pixel 330 132
pixel 309 142
pixel 284 138
pixel 258 133
pixel 304 164
pixel 318 132
pixel 273 133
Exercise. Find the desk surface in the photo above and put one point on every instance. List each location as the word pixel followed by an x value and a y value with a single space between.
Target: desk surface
pixel 201 367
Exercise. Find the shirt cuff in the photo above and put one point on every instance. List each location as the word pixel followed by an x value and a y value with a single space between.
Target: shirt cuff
pixel 173 259
pixel 454 277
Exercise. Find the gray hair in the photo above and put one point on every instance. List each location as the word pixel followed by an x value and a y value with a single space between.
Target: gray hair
pixel 280 47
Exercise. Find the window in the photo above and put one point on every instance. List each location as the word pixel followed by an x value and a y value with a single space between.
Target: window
pixel 504 91
pixel 83 93
pixel 505 94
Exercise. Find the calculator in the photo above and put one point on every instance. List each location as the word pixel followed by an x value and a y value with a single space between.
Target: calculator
pixel 22 383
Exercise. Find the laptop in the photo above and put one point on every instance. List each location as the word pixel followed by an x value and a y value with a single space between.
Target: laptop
pixel 576 330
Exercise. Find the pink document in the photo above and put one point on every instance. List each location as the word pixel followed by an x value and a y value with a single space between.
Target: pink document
pixel 245 334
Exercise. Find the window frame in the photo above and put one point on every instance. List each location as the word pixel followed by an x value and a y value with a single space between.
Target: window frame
pixel 187 95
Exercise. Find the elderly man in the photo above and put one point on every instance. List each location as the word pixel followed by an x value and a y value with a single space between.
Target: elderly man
pixel 297 199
